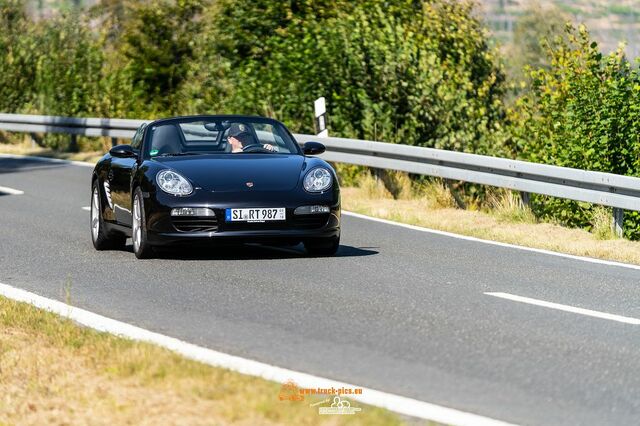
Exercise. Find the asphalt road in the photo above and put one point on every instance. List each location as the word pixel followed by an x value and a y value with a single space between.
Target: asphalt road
pixel 397 310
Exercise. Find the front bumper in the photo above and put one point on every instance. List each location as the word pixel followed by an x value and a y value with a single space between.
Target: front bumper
pixel 163 229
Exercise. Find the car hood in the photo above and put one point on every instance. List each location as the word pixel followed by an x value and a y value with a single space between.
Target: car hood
pixel 239 172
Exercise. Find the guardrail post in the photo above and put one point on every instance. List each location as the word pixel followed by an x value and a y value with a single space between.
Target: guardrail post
pixel 114 142
pixel 618 222
pixel 34 139
pixel 73 144
pixel 526 199
pixel 459 201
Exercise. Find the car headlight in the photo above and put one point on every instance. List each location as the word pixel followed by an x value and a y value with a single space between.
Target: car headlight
pixel 173 183
pixel 317 180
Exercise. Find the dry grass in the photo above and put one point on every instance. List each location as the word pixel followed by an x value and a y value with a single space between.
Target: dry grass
pixel 26 148
pixel 602 219
pixel 432 193
pixel 508 207
pixel 55 372
pixel 508 221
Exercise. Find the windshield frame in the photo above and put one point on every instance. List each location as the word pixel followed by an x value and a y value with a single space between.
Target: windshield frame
pixel 146 145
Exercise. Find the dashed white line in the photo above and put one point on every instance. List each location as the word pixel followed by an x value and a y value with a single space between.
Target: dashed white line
pixel 566 308
pixel 87 209
pixel 10 191
pixel 399 404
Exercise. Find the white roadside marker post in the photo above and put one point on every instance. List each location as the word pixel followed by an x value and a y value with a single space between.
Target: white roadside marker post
pixel 320 109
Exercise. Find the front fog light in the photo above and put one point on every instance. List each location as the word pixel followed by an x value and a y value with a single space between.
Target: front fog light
pixel 190 211
pixel 311 210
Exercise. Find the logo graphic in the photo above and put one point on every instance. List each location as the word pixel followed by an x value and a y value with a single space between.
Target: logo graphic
pixel 315 404
pixel 339 406
pixel 249 184
pixel 290 392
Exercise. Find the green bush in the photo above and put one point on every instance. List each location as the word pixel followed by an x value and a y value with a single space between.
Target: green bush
pixel 17 65
pixel 413 72
pixel 533 29
pixel 583 111
pixel 404 71
pixel 69 61
pixel 157 45
pixel 52 66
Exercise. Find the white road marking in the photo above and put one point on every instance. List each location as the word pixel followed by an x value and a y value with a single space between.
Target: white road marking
pixel 566 308
pixel 10 191
pixel 87 209
pixel 399 404
pixel 494 243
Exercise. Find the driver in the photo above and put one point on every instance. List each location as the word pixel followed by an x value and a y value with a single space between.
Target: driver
pixel 239 138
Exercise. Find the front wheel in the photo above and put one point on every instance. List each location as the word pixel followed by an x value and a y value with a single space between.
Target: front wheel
pixel 323 247
pixel 101 238
pixel 141 247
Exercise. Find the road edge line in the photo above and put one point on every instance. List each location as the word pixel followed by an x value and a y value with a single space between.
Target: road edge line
pixel 399 404
pixel 11 191
pixel 495 243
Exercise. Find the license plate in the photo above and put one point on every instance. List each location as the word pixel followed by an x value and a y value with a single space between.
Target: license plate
pixel 255 215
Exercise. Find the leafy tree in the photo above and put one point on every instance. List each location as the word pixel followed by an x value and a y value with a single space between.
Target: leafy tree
pixel 111 15
pixel 247 27
pixel 537 27
pixel 16 60
pixel 581 112
pixel 158 43
pixel 68 67
pixel 414 72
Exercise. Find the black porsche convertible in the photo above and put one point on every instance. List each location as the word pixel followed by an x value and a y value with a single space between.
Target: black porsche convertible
pixel 215 180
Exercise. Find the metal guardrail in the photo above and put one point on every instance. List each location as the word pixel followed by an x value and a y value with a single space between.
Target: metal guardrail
pixel 110 127
pixel 581 185
pixel 620 192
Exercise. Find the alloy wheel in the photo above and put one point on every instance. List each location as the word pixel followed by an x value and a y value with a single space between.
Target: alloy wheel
pixel 95 212
pixel 137 228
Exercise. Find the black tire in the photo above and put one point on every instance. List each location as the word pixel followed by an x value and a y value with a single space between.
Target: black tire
pixel 324 247
pixel 102 240
pixel 141 247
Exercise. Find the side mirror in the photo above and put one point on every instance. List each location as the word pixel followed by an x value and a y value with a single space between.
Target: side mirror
pixel 122 151
pixel 313 148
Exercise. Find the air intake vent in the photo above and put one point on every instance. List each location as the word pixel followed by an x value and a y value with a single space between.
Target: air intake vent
pixel 195 224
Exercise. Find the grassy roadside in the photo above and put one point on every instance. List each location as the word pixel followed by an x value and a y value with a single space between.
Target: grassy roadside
pixel 434 208
pixel 26 148
pixel 507 221
pixel 53 371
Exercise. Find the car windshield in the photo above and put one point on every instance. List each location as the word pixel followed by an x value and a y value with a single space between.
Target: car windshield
pixel 220 136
